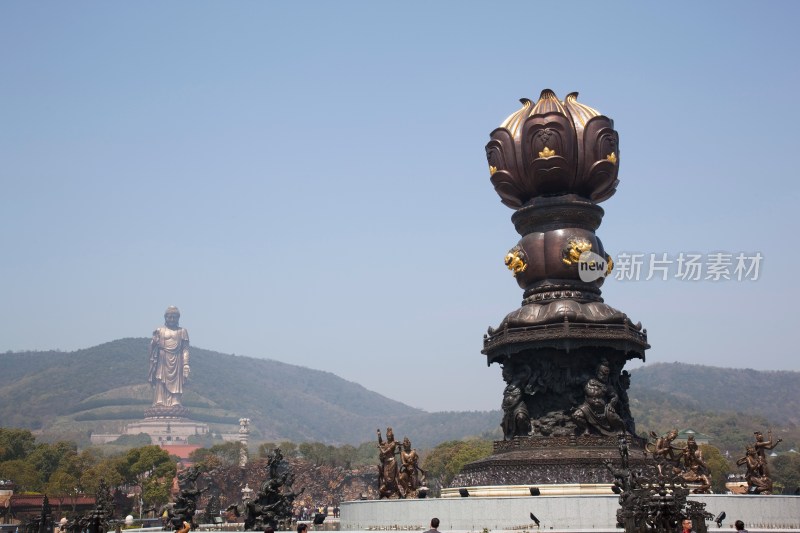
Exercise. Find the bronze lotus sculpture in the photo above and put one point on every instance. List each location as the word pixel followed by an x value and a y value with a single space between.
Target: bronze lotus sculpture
pixel 552 147
pixel 564 349
pixel 553 161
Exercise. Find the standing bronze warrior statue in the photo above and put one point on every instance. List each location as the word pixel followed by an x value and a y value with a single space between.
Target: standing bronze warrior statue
pixel 387 470
pixel 410 477
pixel 169 365
pixel 755 460
pixel 761 446
pixel 405 480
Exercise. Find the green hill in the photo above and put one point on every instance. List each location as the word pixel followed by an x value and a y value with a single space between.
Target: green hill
pixel 728 404
pixel 773 394
pixel 100 389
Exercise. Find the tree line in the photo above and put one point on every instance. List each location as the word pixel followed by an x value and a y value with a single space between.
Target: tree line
pixel 63 472
pixel 59 470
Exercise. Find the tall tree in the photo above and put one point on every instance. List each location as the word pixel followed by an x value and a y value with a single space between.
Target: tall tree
pixel 719 466
pixel 785 470
pixel 23 473
pixel 47 458
pixel 448 458
pixel 62 487
pixel 226 453
pixel 147 461
pixel 16 444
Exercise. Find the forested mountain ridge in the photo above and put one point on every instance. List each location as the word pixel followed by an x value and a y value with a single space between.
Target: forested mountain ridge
pixel 70 394
pixel 728 404
pixel 773 394
pixel 102 388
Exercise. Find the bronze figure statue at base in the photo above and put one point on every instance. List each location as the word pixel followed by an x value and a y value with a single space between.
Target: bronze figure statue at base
pixel 273 504
pixel 662 449
pixel 761 446
pixel 755 461
pixel 695 469
pixel 405 481
pixel 516 420
pixel 653 498
pixel 387 470
pixel 411 477
pixel 598 410
pixel 185 505
pixel 688 463
pixel 757 480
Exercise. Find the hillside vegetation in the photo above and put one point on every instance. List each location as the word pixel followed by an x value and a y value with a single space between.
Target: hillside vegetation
pixel 769 393
pixel 100 389
pixel 727 404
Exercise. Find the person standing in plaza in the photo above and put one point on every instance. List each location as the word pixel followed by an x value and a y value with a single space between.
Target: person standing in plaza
pixel 434 526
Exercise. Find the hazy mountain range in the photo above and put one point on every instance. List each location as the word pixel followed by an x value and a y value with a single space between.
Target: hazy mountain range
pixel 71 394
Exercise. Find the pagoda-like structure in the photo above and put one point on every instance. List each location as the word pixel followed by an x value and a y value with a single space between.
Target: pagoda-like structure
pixel 565 404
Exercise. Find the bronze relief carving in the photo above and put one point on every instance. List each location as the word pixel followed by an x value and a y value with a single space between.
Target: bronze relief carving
pixel 575 247
pixel 516 260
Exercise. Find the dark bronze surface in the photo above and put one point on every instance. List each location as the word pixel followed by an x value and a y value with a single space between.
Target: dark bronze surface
pixel 761 446
pixel 516 418
pixel 185 505
pixel 395 482
pixel 686 462
pixel 43 523
pixel 755 461
pixel 695 469
pixel 553 148
pixel 653 495
pixel 98 520
pixel 551 385
pixel 272 504
pixel 387 470
pixel 411 477
pixel 662 449
pixel 547 460
pixel 564 349
pixel 598 412
pixel 553 162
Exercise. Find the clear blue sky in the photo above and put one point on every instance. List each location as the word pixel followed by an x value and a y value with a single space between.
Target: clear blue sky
pixel 307 181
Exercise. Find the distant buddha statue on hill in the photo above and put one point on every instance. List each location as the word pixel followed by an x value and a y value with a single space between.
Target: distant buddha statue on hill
pixel 169 366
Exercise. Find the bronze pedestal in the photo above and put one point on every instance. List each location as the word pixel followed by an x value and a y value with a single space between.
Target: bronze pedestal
pixel 563 350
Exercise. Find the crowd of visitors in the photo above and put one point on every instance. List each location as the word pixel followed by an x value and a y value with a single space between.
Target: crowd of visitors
pixel 309 513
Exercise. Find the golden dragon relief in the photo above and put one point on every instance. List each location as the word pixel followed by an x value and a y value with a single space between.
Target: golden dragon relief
pixel 516 260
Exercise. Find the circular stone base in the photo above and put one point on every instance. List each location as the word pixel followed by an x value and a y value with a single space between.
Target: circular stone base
pixel 537 461
pixel 508 491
